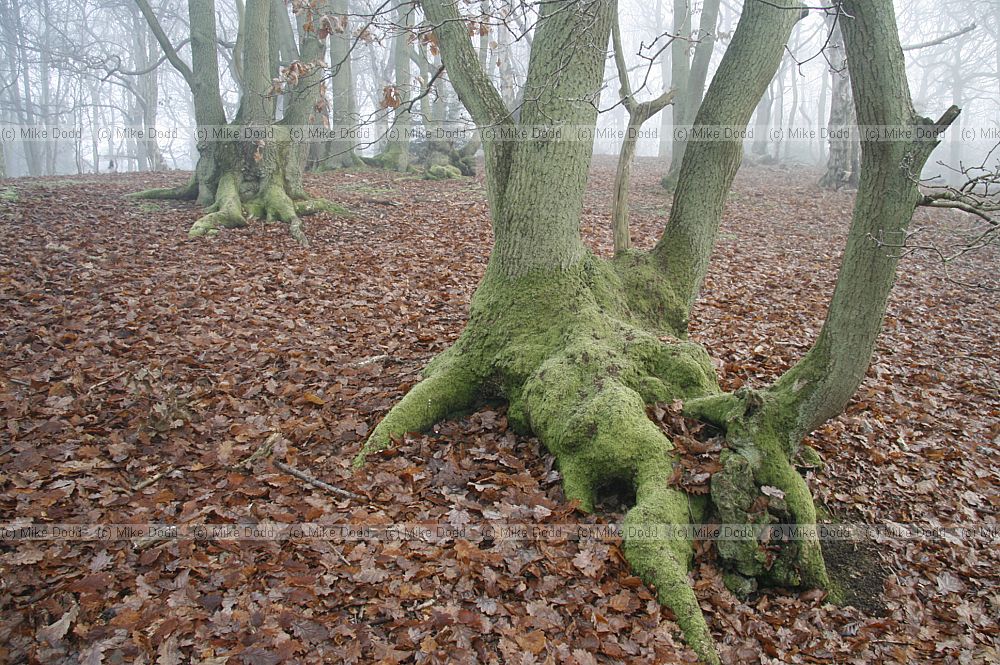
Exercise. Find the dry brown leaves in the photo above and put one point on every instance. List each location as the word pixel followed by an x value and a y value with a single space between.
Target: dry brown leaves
pixel 129 352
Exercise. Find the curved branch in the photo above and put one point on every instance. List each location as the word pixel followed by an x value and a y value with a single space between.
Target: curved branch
pixel 161 37
pixel 474 88
pixel 940 40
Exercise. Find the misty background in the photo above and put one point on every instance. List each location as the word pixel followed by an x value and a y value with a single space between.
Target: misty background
pixel 74 74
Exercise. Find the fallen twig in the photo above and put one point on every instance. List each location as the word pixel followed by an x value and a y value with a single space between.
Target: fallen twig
pixel 315 482
pixel 370 361
pixel 106 381
pixel 152 479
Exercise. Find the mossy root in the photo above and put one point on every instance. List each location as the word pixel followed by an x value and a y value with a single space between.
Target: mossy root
pixel 185 192
pixel 227 209
pixel 449 387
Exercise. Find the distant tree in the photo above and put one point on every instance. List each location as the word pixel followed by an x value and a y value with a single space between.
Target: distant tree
pixel 690 57
pixel 253 165
pixel 578 346
pixel 842 164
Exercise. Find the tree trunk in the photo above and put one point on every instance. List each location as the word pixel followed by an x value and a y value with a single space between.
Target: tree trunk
pixel 637 115
pixel 765 429
pixel 253 166
pixel 578 346
pixel 842 165
pixel 680 75
pixel 691 86
pixel 340 152
pixel 396 156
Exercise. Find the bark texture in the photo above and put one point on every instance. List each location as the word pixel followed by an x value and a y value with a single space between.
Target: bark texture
pixel 842 166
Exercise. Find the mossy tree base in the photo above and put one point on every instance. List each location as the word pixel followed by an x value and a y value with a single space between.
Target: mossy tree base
pixel 578 355
pixel 249 179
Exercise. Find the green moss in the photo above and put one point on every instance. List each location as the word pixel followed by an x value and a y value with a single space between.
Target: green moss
pixel 758 456
pixel 808 458
pixel 9 195
pixel 226 212
pixel 650 297
pixel 664 563
pixel 740 585
pixel 577 364
pixel 186 192
pixel 442 172
pixel 450 386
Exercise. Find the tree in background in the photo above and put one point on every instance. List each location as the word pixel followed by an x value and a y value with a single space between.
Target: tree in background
pixel 253 165
pixel 842 161
pixel 689 73
pixel 578 346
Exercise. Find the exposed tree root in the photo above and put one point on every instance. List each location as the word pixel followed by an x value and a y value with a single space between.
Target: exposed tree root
pixel 185 192
pixel 759 455
pixel 448 387
pixel 577 359
pixel 225 213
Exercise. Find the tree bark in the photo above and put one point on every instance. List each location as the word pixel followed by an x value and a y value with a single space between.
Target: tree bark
pixel 744 74
pixel 577 345
pixel 692 75
pixel 765 429
pixel 340 152
pixel 842 165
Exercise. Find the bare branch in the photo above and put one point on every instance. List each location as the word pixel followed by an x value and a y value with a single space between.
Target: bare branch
pixel 940 40
pixel 168 48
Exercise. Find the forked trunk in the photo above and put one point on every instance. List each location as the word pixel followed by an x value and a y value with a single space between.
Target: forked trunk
pixel 578 346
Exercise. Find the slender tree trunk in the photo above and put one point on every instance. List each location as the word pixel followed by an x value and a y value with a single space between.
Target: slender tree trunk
pixel 762 123
pixel 680 76
pixel 637 115
pixel 822 383
pixel 21 96
pixel 396 156
pixel 957 98
pixel 821 112
pixel 691 87
pixel 842 165
pixel 666 62
pixel 341 151
pixel 793 111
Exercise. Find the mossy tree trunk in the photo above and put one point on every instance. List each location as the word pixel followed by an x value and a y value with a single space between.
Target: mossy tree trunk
pixel 578 345
pixel 251 167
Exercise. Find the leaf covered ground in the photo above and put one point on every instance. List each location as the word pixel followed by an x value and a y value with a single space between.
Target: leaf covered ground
pixel 141 372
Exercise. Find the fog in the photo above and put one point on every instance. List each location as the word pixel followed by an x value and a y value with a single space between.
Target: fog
pixel 85 86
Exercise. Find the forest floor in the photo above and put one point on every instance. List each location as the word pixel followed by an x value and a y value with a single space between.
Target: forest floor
pixel 141 372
